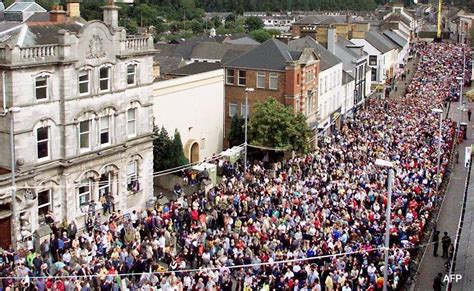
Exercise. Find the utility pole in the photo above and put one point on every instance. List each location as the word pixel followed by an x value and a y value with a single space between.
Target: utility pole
pixel 391 177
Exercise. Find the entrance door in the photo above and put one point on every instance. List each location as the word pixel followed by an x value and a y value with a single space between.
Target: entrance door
pixel 194 153
pixel 5 234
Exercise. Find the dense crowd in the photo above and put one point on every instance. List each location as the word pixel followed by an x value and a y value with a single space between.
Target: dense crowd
pixel 299 211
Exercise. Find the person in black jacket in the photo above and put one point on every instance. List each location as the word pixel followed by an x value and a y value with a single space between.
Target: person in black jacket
pixel 445 242
pixel 438 283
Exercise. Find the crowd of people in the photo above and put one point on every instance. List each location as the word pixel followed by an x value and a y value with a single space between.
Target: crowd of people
pixel 314 222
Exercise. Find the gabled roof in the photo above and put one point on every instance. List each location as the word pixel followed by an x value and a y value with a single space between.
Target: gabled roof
pixel 270 55
pixel 375 39
pixel 393 36
pixel 327 59
pixel 397 18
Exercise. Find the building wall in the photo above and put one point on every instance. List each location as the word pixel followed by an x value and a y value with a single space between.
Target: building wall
pixel 348 102
pixel 372 51
pixel 67 166
pixel 236 94
pixel 331 95
pixel 194 105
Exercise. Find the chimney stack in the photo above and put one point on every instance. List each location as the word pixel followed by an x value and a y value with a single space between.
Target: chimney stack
pixel 73 8
pixel 332 38
pixel 57 14
pixel 111 14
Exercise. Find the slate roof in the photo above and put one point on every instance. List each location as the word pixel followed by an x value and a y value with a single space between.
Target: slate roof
pixel 327 59
pixel 270 55
pixel 195 68
pixel 209 50
pixel 168 64
pixel 322 19
pixel 39 17
pixel 384 39
pixel 49 33
pixel 346 78
pixel 393 36
pixel 375 40
pixel 236 50
pixel 243 40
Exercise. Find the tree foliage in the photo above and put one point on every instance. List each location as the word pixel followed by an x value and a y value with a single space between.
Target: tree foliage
pixel 167 151
pixel 147 11
pixel 260 35
pixel 274 125
pixel 237 131
pixel 253 23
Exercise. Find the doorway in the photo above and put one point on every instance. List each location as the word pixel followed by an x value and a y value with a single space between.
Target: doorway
pixel 194 156
pixel 5 234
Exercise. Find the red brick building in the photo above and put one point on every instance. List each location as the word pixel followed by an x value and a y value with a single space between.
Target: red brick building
pixel 273 70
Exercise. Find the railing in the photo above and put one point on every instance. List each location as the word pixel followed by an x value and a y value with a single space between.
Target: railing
pixel 136 43
pixel 42 51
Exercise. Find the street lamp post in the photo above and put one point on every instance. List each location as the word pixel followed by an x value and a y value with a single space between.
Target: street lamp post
pixel 440 137
pixel 391 176
pixel 247 90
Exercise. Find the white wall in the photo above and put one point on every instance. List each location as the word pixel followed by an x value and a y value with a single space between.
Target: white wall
pixel 194 105
pixel 331 94
pixel 372 51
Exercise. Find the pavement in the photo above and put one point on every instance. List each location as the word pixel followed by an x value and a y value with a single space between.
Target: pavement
pixel 465 260
pixel 448 216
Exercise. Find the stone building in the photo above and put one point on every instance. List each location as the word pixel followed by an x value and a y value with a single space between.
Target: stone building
pixel 79 97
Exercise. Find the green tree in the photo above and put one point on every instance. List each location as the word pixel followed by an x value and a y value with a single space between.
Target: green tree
pixel 253 23
pixel 230 18
pixel 216 21
pixel 260 35
pixel 274 125
pixel 167 152
pixel 177 154
pixel 237 132
pixel 196 26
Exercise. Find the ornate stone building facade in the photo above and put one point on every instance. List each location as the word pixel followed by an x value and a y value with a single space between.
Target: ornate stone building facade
pixel 79 97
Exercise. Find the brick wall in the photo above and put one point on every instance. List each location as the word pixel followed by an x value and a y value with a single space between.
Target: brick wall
pixel 290 91
pixel 234 93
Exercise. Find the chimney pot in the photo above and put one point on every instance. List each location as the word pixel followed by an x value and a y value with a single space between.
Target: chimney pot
pixel 57 14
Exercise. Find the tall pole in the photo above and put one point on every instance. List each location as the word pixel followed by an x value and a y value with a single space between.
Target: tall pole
pixel 391 175
pixel 438 166
pixel 13 171
pixel 246 120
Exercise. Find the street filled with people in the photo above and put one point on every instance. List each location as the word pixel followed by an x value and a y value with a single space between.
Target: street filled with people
pixel 313 222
